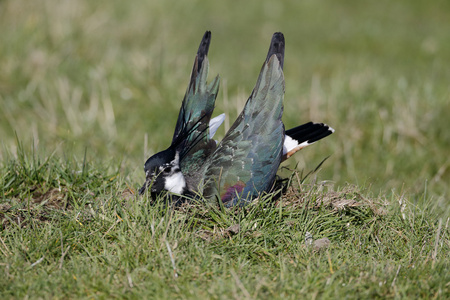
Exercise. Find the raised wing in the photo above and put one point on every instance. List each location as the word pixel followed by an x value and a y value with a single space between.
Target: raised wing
pixel 191 135
pixel 246 161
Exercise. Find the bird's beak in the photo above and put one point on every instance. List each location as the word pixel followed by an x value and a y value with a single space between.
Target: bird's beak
pixel 143 188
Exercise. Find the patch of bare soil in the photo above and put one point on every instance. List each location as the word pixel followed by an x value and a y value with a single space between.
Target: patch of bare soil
pixel 37 206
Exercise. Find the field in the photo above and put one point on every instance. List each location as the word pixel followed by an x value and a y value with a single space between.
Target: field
pixel 90 89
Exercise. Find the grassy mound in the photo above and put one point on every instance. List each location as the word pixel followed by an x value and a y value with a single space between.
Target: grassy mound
pixel 69 230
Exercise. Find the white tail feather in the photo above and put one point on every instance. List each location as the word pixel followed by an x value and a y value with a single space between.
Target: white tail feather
pixel 214 124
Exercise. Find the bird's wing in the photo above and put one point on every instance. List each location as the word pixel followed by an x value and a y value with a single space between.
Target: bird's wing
pixel 191 137
pixel 246 160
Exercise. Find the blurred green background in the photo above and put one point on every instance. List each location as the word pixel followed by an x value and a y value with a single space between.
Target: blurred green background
pixel 109 77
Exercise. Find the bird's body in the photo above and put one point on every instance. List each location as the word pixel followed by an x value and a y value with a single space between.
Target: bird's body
pixel 244 164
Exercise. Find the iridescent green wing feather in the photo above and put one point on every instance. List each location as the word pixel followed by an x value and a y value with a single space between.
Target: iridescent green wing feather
pixel 247 159
pixel 191 132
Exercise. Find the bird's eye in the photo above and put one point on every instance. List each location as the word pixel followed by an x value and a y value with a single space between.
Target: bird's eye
pixel 167 169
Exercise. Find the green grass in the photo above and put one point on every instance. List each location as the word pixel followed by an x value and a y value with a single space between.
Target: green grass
pixel 79 232
pixel 90 89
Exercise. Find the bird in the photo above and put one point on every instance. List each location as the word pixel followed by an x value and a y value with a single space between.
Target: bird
pixel 243 165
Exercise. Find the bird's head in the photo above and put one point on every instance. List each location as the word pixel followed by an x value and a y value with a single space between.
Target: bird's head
pixel 163 173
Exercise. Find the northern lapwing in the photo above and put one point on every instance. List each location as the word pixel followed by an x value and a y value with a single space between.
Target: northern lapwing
pixel 244 164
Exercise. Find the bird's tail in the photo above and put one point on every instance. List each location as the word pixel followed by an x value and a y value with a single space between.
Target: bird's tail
pixel 304 135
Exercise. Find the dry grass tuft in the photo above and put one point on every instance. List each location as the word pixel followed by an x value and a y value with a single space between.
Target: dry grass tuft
pixel 313 197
